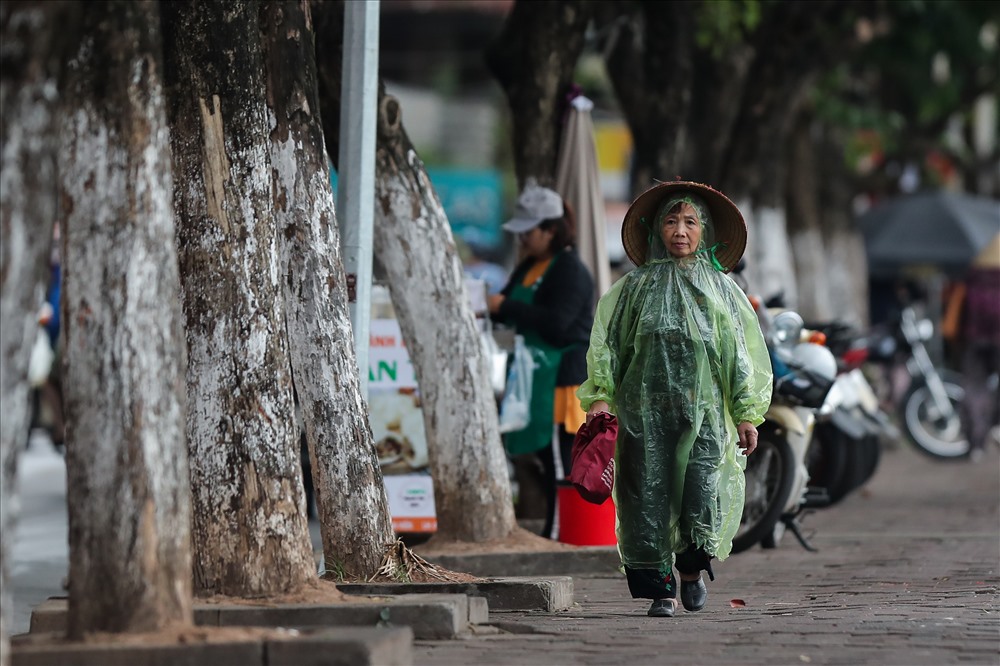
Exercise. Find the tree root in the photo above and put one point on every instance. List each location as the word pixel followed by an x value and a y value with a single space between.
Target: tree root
pixel 401 564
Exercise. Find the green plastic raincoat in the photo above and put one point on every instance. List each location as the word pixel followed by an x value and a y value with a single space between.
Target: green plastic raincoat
pixel 677 353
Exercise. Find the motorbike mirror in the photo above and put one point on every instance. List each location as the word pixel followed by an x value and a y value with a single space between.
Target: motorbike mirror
pixel 787 327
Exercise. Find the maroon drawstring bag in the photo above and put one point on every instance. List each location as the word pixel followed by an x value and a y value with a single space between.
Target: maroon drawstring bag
pixel 593 458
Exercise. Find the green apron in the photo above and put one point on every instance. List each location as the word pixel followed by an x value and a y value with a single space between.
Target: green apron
pixel 538 433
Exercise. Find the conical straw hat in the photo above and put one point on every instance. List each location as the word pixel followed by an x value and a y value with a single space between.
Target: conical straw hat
pixel 727 221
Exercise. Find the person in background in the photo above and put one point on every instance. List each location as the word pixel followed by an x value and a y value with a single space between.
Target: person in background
pixel 974 311
pixel 677 354
pixel 548 300
pixel 47 399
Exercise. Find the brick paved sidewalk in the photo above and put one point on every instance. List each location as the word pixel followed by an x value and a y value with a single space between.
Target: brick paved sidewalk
pixel 908 572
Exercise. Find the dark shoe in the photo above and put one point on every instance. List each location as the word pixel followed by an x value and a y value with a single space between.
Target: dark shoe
pixel 662 608
pixel 693 594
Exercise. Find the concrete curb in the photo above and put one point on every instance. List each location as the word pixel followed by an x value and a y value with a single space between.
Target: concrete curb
pixel 430 616
pixel 520 593
pixel 581 560
pixel 340 647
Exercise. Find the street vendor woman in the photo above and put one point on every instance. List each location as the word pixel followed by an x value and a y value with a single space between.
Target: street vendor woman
pixel 677 355
pixel 549 301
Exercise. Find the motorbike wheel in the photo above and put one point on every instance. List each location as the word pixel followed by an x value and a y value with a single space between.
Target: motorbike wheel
pixel 874 452
pixel 828 460
pixel 773 538
pixel 770 474
pixel 931 434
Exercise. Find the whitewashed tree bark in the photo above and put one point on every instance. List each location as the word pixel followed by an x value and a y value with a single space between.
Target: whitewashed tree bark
pixel 845 246
pixel 770 269
pixel 805 235
pixel 250 533
pixel 830 263
pixel 414 245
pixel 126 458
pixel 30 66
pixel 351 497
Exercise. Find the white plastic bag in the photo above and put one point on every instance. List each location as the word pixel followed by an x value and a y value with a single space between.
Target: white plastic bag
pixel 515 409
pixel 40 361
pixel 497 360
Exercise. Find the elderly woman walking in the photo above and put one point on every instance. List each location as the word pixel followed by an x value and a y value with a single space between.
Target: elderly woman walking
pixel 677 355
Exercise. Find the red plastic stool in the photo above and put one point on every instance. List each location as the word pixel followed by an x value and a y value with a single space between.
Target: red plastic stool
pixel 582 523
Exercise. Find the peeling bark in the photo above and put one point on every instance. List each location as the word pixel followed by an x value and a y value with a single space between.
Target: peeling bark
pixel 30 66
pixel 352 503
pixel 126 461
pixel 414 244
pixel 250 534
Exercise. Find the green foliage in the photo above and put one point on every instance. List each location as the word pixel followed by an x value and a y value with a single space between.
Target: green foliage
pixel 335 571
pixel 922 63
pixel 930 57
pixel 722 24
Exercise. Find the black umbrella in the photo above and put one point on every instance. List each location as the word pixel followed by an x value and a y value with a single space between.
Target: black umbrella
pixel 946 229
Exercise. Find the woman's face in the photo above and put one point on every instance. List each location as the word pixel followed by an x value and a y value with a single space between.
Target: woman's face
pixel 681 231
pixel 535 242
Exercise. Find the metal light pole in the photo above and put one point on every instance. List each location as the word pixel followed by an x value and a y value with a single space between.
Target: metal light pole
pixel 356 178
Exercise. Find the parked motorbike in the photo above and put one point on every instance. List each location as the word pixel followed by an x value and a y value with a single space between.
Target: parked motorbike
pixel 777 477
pixel 931 400
pixel 851 427
pixel 848 441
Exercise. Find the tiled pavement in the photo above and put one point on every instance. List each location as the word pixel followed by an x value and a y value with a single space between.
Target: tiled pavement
pixel 908 572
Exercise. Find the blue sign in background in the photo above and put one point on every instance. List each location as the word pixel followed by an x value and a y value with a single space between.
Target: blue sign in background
pixel 471 199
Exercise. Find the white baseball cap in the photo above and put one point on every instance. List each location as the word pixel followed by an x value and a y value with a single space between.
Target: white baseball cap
pixel 534 205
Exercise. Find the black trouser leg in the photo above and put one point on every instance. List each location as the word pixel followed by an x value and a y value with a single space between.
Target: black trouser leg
pixel 650 583
pixel 549 480
pixel 547 457
pixel 692 561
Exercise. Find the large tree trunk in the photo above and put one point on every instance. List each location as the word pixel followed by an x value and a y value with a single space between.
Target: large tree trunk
pixel 805 230
pixel 250 532
pixel 30 63
pixel 351 498
pixel 659 122
pixel 847 262
pixel 829 253
pixel 413 243
pixel 737 107
pixel 533 59
pixel 126 461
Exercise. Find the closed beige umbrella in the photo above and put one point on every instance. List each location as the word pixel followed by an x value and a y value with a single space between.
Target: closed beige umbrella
pixel 579 183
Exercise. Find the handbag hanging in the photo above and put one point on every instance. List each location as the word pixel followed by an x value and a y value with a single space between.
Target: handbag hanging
pixel 593 458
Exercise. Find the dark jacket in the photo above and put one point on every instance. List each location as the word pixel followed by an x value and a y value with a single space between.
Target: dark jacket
pixel 562 313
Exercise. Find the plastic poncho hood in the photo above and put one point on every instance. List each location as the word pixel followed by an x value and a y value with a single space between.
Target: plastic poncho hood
pixel 677 352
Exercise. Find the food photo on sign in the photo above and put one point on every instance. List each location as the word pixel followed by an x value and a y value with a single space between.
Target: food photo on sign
pixel 396 417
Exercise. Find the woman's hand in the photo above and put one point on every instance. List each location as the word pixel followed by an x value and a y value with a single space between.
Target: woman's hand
pixel 493 303
pixel 596 408
pixel 748 437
